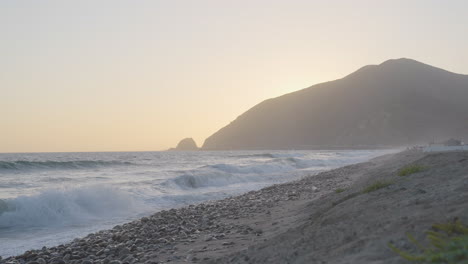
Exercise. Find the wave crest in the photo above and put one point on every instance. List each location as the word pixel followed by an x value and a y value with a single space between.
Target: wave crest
pixel 78 164
pixel 277 167
pixel 271 155
pixel 226 174
pixel 66 207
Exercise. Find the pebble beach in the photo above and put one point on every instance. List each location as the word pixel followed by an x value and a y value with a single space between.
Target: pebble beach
pixel 250 227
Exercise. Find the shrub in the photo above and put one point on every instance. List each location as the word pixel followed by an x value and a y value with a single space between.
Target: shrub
pixel 347 197
pixel 340 190
pixel 448 243
pixel 408 170
pixel 376 186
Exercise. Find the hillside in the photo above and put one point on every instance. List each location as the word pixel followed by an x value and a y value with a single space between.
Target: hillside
pixel 356 224
pixel 397 103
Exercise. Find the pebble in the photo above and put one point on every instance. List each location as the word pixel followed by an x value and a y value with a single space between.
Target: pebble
pixel 147 239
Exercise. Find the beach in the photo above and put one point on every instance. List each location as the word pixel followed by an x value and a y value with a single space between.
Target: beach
pixel 48 199
pixel 323 218
pixel 234 132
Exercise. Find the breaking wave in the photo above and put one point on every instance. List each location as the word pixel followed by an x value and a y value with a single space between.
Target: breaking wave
pixel 78 164
pixel 49 199
pixel 66 207
pixel 205 180
pixel 278 167
pixel 271 155
pixel 261 155
pixel 226 174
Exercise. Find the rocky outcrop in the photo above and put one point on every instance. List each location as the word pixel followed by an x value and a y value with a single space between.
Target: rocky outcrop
pixel 186 144
pixel 397 103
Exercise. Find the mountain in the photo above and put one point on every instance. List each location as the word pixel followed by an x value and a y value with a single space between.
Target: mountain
pixel 186 144
pixel 397 103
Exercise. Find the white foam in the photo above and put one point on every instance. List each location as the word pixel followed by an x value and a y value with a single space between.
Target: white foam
pixel 278 166
pixel 66 207
pixel 44 209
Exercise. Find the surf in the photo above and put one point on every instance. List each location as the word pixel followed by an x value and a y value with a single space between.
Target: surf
pixel 66 207
pixel 19 165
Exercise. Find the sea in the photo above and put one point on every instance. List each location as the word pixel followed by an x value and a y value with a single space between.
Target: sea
pixel 47 199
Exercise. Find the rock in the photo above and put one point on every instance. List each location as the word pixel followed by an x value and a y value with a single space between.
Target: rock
pixel 258 231
pixel 124 251
pixel 163 240
pixel 186 144
pixel 57 261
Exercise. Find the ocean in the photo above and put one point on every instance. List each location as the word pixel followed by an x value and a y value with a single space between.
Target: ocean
pixel 47 199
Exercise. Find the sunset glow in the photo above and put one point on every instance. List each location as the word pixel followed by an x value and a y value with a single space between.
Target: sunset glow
pixel 130 76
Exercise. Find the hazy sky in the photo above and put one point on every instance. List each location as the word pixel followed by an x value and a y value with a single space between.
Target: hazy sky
pixel 141 75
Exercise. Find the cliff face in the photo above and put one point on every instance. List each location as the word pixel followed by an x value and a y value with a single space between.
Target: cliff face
pixel 399 102
pixel 186 144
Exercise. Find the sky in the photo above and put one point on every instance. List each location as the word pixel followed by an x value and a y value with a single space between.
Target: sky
pixel 114 75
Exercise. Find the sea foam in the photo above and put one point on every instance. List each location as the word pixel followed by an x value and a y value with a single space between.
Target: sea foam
pixel 66 207
pixel 51 198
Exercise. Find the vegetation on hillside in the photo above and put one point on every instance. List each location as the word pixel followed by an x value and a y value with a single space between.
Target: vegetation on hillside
pixel 376 186
pixel 411 169
pixel 448 244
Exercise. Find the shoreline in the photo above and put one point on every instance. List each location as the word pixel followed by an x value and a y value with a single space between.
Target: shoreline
pixel 237 229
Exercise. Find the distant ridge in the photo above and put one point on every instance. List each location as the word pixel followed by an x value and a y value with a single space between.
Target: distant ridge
pixel 396 103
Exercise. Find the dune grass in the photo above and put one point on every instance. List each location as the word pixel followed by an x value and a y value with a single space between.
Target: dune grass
pixel 411 169
pixel 347 197
pixel 340 190
pixel 373 187
pixel 376 186
pixel 448 243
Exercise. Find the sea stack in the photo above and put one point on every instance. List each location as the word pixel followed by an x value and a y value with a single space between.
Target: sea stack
pixel 186 144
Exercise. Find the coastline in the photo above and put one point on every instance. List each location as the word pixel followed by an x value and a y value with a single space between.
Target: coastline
pixel 293 222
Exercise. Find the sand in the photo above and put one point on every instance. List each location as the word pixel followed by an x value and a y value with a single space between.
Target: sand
pixel 304 221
